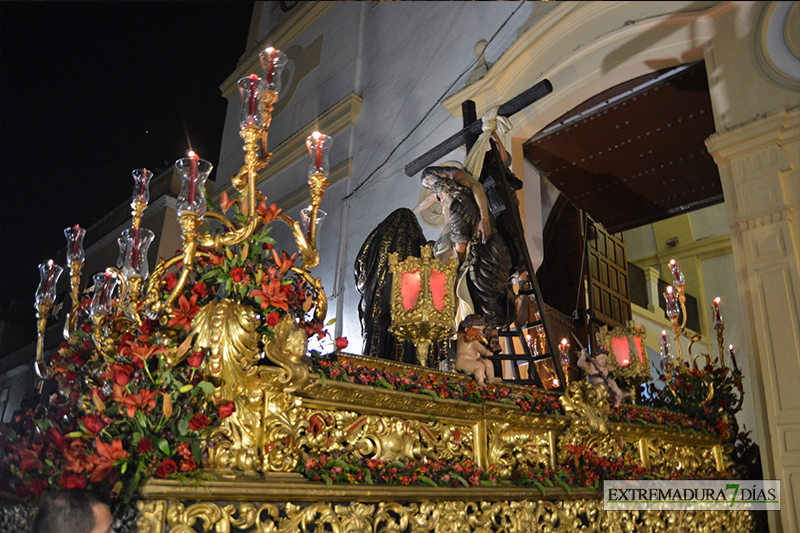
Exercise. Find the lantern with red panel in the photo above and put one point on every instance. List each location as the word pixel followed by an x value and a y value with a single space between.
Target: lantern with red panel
pixel 627 356
pixel 423 300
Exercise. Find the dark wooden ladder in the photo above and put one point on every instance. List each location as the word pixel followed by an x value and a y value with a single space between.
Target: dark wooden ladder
pixel 510 334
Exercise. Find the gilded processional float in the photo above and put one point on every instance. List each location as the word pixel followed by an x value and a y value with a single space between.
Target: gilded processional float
pixel 190 396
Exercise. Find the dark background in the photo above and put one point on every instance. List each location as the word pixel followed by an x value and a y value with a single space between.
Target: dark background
pixel 89 92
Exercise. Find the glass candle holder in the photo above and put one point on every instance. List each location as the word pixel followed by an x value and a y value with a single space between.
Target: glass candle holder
pixel 666 356
pixel 676 273
pixel 305 218
pixel 673 305
pixel 48 277
pixel 252 89
pixel 103 300
pixel 141 185
pixel 194 172
pixel 318 145
pixel 715 307
pixel 133 246
pixel 272 63
pixel 75 253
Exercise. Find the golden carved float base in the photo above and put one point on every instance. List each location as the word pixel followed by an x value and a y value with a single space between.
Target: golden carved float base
pixel 287 502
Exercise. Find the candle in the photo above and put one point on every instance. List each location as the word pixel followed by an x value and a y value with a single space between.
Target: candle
pixel 270 65
pixel 252 99
pixel 717 314
pixel 676 272
pixel 193 159
pixel 564 345
pixel 670 298
pixel 665 355
pixel 135 249
pixel 733 358
pixel 49 277
pixel 143 183
pixel 318 139
pixel 75 246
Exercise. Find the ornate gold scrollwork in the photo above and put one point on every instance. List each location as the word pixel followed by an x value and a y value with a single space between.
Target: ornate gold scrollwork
pixel 588 405
pixel 667 457
pixel 510 448
pixel 288 350
pixel 151 516
pixel 520 516
pixel 227 331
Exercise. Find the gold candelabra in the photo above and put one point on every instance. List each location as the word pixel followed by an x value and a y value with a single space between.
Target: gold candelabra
pixel 136 294
pixel 675 297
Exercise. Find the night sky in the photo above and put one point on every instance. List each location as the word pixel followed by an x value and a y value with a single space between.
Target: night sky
pixel 89 92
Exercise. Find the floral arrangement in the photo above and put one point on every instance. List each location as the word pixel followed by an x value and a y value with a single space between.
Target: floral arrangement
pixel 144 409
pixel 706 399
pixel 584 469
pixel 338 367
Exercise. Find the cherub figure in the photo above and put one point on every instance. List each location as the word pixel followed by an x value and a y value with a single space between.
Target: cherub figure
pixel 596 368
pixel 470 346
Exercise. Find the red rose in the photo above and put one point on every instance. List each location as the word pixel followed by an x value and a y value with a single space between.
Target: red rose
pixel 273 318
pixel 226 409
pixel 122 374
pixel 144 445
pixel 86 328
pixel 93 424
pixel 198 422
pixel 171 280
pixel 237 274
pixel 71 376
pixel 166 468
pixel 38 486
pixel 200 289
pixel 73 481
pixel 58 439
pixel 341 343
pixel 196 359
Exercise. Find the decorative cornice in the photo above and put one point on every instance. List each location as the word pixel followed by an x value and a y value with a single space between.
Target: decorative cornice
pixel 756 134
pixel 293 487
pixel 333 121
pixel 301 19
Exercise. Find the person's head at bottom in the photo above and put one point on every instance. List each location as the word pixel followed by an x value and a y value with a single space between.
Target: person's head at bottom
pixel 73 511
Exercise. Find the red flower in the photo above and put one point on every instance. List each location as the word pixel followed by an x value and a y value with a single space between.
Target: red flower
pixel 196 359
pixel 93 424
pixel 283 262
pixel 166 468
pixel 171 280
pixel 271 294
pixel 238 275
pixel 341 343
pixel 267 214
pixel 272 319
pixel 131 402
pixel 145 445
pixel 185 312
pixel 38 486
pixel 121 374
pixel 200 289
pixel 226 409
pixel 226 203
pixel 73 481
pixel 107 455
pixel 198 422
pixel 58 439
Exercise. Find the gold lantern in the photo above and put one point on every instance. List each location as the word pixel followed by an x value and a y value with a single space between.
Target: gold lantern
pixel 627 357
pixel 423 300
